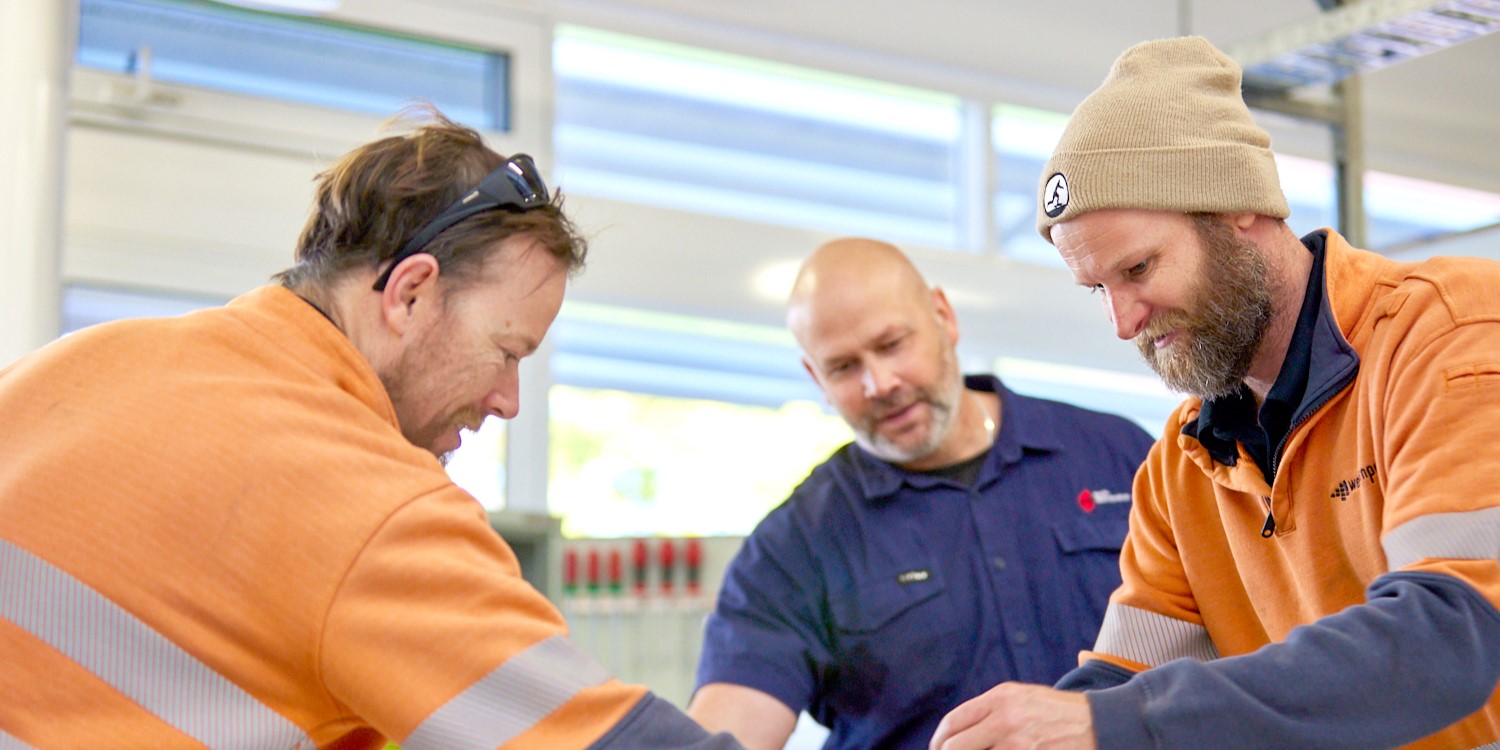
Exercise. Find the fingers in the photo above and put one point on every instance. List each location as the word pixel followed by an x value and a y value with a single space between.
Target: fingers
pixel 1017 715
pixel 951 731
pixel 956 721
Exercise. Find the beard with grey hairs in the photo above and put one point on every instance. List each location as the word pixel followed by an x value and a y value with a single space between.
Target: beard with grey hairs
pixel 1232 309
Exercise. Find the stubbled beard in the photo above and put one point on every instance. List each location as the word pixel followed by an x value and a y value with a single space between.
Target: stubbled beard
pixel 409 381
pixel 1232 309
pixel 944 407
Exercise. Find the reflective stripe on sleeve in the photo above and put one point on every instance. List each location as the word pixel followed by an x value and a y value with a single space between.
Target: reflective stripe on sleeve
pixel 8 742
pixel 1152 639
pixel 510 700
pixel 1470 535
pixel 134 659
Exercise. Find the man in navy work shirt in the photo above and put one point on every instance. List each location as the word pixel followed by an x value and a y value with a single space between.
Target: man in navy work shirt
pixel 967 537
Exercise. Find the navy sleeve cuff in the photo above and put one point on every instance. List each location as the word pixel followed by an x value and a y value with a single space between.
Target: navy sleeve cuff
pixel 654 724
pixel 1118 717
pixel 1095 674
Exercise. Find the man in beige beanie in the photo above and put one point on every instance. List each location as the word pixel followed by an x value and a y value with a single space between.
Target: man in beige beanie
pixel 1312 558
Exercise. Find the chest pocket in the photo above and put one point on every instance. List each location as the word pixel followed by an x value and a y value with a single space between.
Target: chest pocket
pixel 895 646
pixel 1100 531
pixel 1089 547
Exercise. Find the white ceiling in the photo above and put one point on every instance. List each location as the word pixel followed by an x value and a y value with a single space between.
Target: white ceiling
pixel 1435 117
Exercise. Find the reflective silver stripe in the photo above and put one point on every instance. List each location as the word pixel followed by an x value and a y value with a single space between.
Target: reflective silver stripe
pixel 509 700
pixel 1490 746
pixel 127 654
pixel 8 742
pixel 1471 535
pixel 1152 639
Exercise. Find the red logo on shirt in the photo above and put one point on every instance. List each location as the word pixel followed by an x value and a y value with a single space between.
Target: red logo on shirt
pixel 1086 501
pixel 1090 499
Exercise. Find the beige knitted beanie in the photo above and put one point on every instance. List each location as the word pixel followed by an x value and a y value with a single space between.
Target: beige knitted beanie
pixel 1168 130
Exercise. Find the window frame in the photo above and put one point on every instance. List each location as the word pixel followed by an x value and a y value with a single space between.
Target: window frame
pixel 138 104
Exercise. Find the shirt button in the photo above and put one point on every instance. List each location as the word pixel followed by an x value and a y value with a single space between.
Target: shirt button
pixel 999 563
pixel 1019 637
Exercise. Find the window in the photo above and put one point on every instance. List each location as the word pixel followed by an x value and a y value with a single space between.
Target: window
pixel 1138 397
pixel 1023 139
pixel 83 306
pixel 636 465
pixel 478 465
pixel 698 130
pixel 1403 210
pixel 670 425
pixel 1398 210
pixel 603 346
pixel 693 129
pixel 293 59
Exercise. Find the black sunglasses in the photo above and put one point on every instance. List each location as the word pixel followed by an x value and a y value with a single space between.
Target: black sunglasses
pixel 515 185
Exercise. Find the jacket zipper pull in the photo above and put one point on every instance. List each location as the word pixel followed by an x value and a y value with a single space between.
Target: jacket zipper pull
pixel 1270 528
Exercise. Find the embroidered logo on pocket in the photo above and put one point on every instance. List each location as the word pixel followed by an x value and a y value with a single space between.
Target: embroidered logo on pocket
pixel 1088 499
pixel 913 576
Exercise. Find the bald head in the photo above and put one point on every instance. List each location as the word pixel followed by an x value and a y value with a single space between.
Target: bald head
pixel 844 277
pixel 880 344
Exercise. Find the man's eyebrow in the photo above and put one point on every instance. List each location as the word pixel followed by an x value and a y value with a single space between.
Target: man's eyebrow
pixel 504 339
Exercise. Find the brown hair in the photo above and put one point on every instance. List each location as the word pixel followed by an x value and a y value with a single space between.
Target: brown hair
pixel 376 197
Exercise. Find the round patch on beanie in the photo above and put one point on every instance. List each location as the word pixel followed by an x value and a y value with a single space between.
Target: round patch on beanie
pixel 1055 196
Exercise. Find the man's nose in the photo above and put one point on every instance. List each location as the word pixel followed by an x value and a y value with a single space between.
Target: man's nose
pixel 505 398
pixel 1127 312
pixel 878 380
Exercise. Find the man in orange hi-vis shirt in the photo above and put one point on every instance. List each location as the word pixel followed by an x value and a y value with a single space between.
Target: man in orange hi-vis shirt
pixel 1314 549
pixel 232 529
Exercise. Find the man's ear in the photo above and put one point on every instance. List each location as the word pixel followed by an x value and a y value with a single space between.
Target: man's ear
pixel 945 315
pixel 813 373
pixel 1241 222
pixel 1257 228
pixel 413 283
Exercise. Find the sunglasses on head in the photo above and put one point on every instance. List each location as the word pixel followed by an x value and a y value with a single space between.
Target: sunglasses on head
pixel 515 185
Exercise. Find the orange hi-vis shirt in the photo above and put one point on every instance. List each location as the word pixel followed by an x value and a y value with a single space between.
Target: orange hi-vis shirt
pixel 212 533
pixel 1354 598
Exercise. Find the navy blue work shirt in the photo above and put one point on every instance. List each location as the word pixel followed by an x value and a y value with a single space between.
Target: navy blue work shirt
pixel 878 599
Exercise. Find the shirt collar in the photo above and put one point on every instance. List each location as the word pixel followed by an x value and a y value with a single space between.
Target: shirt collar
pixel 307 335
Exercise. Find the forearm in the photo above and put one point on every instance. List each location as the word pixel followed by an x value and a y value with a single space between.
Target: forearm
pixel 1412 660
pixel 758 720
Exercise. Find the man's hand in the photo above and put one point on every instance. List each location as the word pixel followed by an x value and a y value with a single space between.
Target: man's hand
pixel 1018 716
